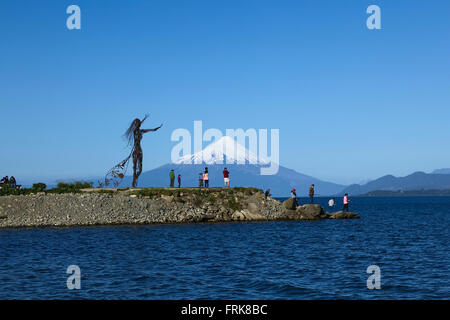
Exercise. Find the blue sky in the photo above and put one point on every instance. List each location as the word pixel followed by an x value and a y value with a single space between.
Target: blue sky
pixel 350 103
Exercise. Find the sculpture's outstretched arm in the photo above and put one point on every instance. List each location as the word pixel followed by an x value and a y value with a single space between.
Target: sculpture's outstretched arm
pixel 145 118
pixel 150 130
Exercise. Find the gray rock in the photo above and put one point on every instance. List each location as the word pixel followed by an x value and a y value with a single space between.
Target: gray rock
pixel 289 204
pixel 311 212
pixel 344 215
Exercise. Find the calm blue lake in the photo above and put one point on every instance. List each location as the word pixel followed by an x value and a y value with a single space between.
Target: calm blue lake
pixel 408 238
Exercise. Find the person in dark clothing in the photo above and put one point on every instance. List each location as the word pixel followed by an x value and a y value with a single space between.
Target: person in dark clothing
pixel 179 180
pixel 200 180
pixel 311 193
pixel 267 193
pixel 4 180
pixel 12 182
pixel 172 178
pixel 294 196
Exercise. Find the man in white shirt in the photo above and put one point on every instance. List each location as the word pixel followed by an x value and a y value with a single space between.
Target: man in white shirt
pixel 331 203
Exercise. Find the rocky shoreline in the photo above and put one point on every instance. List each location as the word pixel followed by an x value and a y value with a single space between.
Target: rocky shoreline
pixel 152 206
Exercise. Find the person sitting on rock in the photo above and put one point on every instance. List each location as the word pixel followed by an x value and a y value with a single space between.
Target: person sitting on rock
pixel 294 197
pixel 346 201
pixel 5 180
pixel 267 194
pixel 12 182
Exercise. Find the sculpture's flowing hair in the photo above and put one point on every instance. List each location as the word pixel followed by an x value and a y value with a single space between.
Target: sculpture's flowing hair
pixel 129 134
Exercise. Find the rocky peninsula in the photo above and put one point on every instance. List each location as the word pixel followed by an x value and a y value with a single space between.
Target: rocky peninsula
pixel 152 206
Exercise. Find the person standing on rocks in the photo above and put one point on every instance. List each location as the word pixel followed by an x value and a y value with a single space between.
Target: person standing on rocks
pixel 346 201
pixel 226 177
pixel 206 178
pixel 311 193
pixel 200 180
pixel 267 194
pixel 294 197
pixel 172 178
pixel 179 180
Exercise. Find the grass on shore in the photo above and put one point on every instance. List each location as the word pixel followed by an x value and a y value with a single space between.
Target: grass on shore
pixel 41 187
pixel 232 197
pixel 77 187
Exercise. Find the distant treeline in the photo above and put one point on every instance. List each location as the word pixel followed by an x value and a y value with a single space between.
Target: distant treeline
pixel 407 193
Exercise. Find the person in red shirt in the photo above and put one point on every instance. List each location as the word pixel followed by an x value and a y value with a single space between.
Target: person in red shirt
pixel 226 177
pixel 206 178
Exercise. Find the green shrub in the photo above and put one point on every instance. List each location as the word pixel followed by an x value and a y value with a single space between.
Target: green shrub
pixel 39 187
pixel 71 187
pixel 6 190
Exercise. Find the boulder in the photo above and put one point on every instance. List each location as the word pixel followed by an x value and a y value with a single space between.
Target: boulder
pixel 167 198
pixel 310 212
pixel 237 215
pixel 253 208
pixel 245 215
pixel 306 212
pixel 252 216
pixel 289 204
pixel 343 215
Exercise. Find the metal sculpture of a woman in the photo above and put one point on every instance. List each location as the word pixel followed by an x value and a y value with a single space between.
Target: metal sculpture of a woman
pixel 134 137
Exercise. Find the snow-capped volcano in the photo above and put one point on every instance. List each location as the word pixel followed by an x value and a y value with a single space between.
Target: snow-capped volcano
pixel 225 150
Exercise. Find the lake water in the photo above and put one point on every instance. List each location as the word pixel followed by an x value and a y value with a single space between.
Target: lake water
pixel 408 238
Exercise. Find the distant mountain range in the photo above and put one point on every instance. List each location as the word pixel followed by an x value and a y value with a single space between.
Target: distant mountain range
pixel 408 193
pixel 415 181
pixel 442 171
